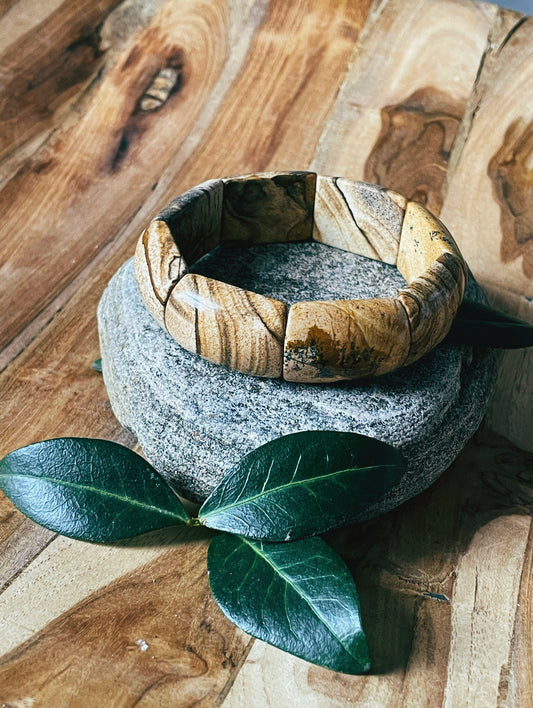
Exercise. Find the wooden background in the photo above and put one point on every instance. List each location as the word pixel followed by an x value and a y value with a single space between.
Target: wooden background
pixel 433 98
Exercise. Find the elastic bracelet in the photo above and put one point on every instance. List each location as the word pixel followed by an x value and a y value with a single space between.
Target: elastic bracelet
pixel 310 341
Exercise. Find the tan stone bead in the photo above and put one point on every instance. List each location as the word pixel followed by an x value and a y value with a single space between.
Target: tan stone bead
pixel 358 217
pixel 344 339
pixel 424 238
pixel 158 267
pixel 194 219
pixel 431 302
pixel 271 207
pixel 228 325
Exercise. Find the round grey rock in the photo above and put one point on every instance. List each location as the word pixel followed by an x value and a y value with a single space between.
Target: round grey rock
pixel 194 419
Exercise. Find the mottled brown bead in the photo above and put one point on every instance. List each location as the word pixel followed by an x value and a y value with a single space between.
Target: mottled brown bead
pixel 228 325
pixel 344 339
pixel 268 208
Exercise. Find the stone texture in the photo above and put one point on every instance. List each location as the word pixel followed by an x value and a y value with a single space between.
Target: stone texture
pixel 228 325
pixel 195 419
pixel 358 217
pixel 345 339
pixel 268 207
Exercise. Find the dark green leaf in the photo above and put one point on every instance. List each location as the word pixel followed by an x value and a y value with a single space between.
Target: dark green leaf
pixel 480 325
pixel 298 596
pixel 303 484
pixel 97 366
pixel 93 490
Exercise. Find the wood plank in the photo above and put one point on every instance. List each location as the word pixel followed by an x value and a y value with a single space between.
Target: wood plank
pixel 510 412
pixel 484 613
pixel 520 681
pixel 283 82
pixel 139 619
pixel 48 51
pixel 401 105
pixel 489 206
pixel 111 149
pixel 489 201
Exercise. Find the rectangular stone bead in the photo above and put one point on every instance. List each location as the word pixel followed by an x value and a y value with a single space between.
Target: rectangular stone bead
pixel 158 266
pixel 268 208
pixel 194 219
pixel 424 238
pixel 431 302
pixel 227 325
pixel 358 217
pixel 344 339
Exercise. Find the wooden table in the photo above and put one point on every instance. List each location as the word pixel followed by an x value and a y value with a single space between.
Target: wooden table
pixel 433 98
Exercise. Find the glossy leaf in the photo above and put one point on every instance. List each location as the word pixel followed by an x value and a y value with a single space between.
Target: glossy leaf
pixel 303 484
pixel 298 596
pixel 97 366
pixel 93 490
pixel 482 326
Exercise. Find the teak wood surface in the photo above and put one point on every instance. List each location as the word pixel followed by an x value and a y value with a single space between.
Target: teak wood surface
pixel 110 109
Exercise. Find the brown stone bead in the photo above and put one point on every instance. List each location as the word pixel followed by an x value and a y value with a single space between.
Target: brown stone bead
pixel 424 238
pixel 158 267
pixel 431 302
pixel 271 207
pixel 358 217
pixel 344 339
pixel 194 219
pixel 228 325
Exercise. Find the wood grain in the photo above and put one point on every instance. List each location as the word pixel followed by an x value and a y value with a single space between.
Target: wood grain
pixel 495 166
pixel 424 96
pixel 155 628
pixel 110 146
pixel 404 97
pixel 510 412
pixel 48 53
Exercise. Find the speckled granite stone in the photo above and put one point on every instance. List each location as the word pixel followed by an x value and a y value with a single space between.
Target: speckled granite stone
pixel 194 419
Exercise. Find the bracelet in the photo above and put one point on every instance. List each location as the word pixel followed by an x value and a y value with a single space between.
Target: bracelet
pixel 311 341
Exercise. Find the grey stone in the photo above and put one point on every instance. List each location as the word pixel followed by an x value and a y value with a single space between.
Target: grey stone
pixel 194 419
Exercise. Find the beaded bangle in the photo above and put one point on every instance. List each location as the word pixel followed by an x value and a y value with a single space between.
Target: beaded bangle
pixel 309 342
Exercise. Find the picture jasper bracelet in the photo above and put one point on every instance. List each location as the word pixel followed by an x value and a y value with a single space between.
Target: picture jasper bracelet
pixel 312 341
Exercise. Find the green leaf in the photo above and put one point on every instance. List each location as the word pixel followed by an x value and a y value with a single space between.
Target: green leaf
pixel 97 366
pixel 483 326
pixel 303 484
pixel 93 490
pixel 298 596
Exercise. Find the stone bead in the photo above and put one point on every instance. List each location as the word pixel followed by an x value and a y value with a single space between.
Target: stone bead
pixel 194 219
pixel 158 267
pixel 358 217
pixel 431 302
pixel 228 325
pixel 344 339
pixel 268 208
pixel 423 239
